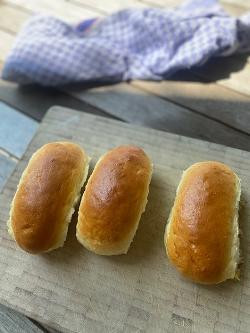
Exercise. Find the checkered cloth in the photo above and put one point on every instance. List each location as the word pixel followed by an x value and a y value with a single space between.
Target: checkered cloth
pixel 130 44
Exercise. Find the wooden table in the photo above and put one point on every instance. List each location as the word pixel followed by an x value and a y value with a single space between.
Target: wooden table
pixel 212 103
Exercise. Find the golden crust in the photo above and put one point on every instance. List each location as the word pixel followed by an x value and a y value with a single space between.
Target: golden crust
pixel 45 197
pixel 200 236
pixel 114 199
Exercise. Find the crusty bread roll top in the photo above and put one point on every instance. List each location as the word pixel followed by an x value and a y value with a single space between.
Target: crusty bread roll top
pixel 202 235
pixel 47 192
pixel 114 199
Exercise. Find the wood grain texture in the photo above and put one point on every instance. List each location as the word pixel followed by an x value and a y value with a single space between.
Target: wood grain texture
pixel 234 7
pixel 7 40
pixel 209 99
pixel 11 18
pixel 112 5
pixel 34 101
pixel 109 6
pixel 163 3
pixel 59 8
pixel 243 3
pixel 13 322
pixel 16 130
pixel 74 290
pixel 15 12
pixel 135 106
pixel 235 70
pixel 7 165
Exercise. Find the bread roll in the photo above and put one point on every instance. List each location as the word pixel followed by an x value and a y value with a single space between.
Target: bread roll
pixel 114 199
pixel 202 234
pixel 46 195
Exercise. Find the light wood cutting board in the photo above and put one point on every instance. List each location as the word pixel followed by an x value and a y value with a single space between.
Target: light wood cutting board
pixel 74 290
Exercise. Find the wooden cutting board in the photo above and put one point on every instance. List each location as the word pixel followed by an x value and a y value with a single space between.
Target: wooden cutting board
pixel 74 290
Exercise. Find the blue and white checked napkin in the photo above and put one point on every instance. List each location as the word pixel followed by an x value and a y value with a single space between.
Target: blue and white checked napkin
pixel 130 44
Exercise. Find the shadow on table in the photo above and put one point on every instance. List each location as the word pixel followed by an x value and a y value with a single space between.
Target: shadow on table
pixel 203 111
pixel 215 69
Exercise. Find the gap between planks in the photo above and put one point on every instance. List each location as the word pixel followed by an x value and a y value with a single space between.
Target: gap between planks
pixel 63 9
pixel 217 103
pixel 242 5
pixel 135 106
pixel 8 155
pixel 192 106
pixel 238 81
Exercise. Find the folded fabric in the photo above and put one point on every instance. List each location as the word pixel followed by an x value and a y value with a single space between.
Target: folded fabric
pixel 129 44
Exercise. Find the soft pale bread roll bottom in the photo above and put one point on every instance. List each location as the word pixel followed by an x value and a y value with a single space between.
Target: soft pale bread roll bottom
pixel 113 201
pixel 202 234
pixel 46 195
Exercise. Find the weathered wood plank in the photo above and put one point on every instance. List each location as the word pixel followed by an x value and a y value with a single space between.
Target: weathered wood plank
pixel 62 9
pixel 135 106
pixel 237 81
pixel 34 101
pixel 47 329
pixel 163 3
pixel 16 130
pixel 11 18
pixel 13 322
pixel 7 40
pixel 234 7
pixel 110 5
pixel 214 101
pixel 138 291
pixel 243 3
pixel 7 166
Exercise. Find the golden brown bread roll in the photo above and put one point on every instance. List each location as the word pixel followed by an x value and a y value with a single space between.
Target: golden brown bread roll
pixel 113 201
pixel 202 234
pixel 46 195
